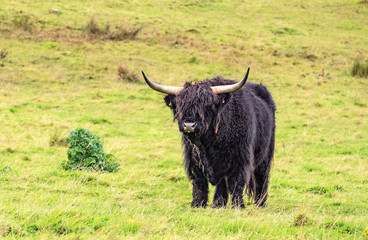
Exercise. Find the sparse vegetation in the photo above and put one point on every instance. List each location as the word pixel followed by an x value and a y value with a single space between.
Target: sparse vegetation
pixel 3 53
pixel 360 69
pixel 23 21
pixel 123 32
pixel 365 234
pixel 124 75
pixel 58 138
pixel 301 220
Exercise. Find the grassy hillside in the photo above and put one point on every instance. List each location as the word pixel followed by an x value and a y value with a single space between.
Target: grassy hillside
pixel 59 71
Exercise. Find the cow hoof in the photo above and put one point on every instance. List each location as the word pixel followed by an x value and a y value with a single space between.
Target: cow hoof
pixel 262 206
pixel 240 206
pixel 219 203
pixel 218 206
pixel 198 205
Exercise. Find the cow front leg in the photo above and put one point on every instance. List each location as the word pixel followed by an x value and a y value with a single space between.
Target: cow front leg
pixel 200 189
pixel 236 187
pixel 221 194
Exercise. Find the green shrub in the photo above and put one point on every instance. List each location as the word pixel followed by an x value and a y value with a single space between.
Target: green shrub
pixel 86 153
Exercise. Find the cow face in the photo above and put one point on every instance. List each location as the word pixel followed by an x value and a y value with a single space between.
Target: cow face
pixel 196 108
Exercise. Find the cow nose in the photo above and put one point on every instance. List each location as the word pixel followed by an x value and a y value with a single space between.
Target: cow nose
pixel 189 127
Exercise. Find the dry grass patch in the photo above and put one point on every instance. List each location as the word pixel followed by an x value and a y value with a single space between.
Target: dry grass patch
pixel 93 30
pixel 3 53
pixel 125 75
pixel 24 21
pixel 58 138
pixel 360 69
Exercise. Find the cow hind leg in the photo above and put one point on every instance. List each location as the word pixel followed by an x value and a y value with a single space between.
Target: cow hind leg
pixel 236 187
pixel 261 175
pixel 221 194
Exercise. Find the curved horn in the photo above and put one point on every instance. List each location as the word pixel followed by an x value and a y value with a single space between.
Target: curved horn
pixel 162 88
pixel 230 88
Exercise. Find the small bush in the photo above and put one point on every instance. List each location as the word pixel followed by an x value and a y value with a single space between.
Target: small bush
pixel 86 153
pixel 124 75
pixel 360 69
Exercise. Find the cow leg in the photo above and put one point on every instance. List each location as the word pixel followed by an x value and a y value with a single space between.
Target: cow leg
pixel 261 175
pixel 200 189
pixel 236 187
pixel 221 194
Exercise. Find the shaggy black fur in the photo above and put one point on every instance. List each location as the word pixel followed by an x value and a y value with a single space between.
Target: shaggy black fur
pixel 233 143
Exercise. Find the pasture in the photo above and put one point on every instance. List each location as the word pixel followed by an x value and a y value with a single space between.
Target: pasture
pixel 69 64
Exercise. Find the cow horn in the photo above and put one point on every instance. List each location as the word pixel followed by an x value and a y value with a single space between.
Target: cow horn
pixel 230 88
pixel 162 88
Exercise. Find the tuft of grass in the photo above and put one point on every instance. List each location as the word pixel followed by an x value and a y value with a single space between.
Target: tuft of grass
pixel 124 75
pixel 6 169
pixel 123 32
pixel 318 190
pixel 174 177
pixel 99 120
pixel 365 233
pixel 92 29
pixel 194 60
pixel 24 21
pixel 360 69
pixel 3 53
pixel 301 220
pixel 58 138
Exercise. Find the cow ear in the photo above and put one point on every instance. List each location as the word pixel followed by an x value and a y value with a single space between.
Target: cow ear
pixel 170 101
pixel 225 98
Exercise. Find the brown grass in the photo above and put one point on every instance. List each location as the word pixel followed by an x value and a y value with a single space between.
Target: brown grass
pixel 123 32
pixel 360 69
pixel 124 75
pixel 301 220
pixel 57 139
pixel 23 21
pixel 3 53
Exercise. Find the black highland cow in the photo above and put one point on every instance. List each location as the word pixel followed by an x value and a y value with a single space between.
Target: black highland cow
pixel 228 133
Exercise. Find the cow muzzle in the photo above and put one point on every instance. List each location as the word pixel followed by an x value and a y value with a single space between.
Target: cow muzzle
pixel 189 127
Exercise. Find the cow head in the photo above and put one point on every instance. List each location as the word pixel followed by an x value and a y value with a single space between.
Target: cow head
pixel 197 107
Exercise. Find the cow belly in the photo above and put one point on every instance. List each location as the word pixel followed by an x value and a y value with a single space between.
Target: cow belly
pixel 213 173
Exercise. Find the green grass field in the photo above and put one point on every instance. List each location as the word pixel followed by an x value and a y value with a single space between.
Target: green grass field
pixel 59 72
